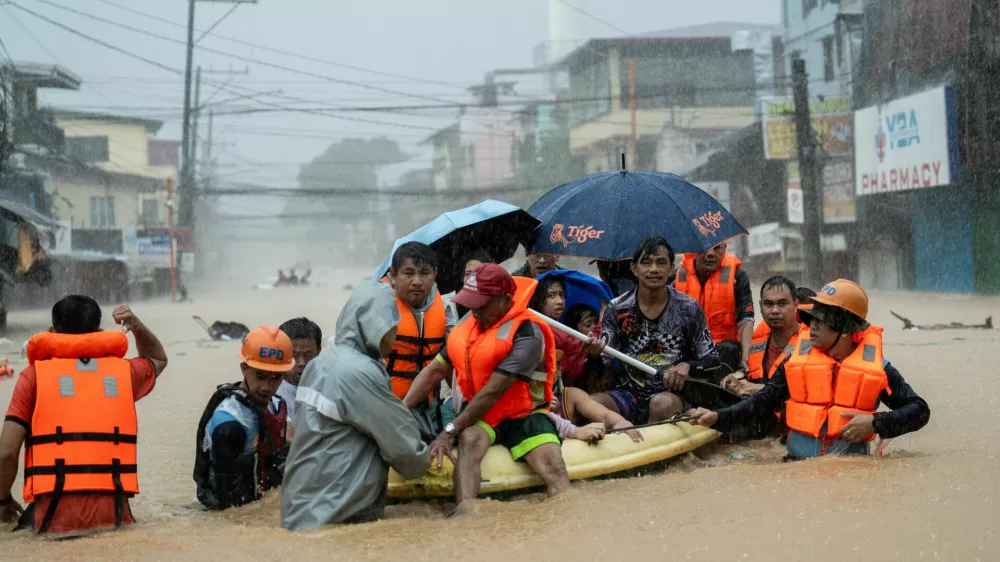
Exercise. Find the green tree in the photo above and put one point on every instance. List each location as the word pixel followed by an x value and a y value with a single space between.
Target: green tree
pixel 351 164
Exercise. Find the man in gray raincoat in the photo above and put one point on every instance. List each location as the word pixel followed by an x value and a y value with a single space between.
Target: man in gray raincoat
pixel 349 427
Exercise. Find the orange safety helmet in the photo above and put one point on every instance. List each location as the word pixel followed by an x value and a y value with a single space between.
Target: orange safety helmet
pixel 268 349
pixel 845 295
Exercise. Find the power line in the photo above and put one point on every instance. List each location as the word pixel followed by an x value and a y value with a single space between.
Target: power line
pixel 111 154
pixel 177 71
pixel 232 55
pixel 288 53
pixel 595 18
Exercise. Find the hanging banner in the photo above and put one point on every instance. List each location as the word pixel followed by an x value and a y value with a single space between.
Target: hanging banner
pixel 764 239
pixel 909 143
pixel 832 123
pixel 838 192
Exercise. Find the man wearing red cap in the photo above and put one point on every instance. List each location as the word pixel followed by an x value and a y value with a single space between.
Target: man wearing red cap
pixel 505 365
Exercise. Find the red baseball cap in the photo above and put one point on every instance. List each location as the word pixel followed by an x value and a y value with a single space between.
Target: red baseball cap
pixel 486 282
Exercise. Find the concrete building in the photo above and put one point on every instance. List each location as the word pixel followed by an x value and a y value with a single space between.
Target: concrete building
pixel 689 80
pixel 119 145
pixel 811 34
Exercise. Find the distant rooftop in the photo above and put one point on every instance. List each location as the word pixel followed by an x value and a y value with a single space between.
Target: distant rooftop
pixel 151 125
pixel 702 34
pixel 715 29
pixel 41 75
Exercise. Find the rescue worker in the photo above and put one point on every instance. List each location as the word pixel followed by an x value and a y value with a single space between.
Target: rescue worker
pixel 504 358
pixel 74 408
pixel 424 323
pixel 349 427
pixel 307 342
pixel 833 383
pixel 240 445
pixel 773 339
pixel 717 281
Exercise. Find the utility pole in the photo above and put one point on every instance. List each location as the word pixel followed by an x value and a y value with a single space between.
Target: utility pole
pixel 195 113
pixel 812 199
pixel 634 149
pixel 209 176
pixel 186 189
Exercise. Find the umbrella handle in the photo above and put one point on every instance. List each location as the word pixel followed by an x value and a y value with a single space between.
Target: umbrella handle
pixel 607 350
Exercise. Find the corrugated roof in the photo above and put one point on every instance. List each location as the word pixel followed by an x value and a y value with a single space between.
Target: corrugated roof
pixel 41 75
pixel 151 125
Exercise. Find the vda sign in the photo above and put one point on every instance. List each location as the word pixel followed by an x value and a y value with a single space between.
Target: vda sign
pixel 896 131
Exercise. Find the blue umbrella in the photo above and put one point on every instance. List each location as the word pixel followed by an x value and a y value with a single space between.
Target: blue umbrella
pixel 580 288
pixel 605 215
pixel 493 226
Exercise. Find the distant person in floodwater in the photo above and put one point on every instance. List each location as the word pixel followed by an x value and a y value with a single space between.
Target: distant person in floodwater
pixel 293 279
pixel 282 280
pixel 833 383
pixel 78 386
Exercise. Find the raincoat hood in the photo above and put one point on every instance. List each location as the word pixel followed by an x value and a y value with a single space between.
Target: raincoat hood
pixel 369 314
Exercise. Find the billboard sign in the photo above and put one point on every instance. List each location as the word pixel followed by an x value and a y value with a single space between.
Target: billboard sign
pixel 831 121
pixel 909 143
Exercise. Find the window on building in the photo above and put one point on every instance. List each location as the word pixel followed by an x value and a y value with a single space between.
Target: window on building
pixel 102 212
pixel 87 149
pixel 151 212
pixel 829 65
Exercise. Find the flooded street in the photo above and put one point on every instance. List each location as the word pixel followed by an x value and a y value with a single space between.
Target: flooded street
pixel 933 496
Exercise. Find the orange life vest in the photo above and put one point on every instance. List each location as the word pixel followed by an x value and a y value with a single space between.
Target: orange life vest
pixel 822 389
pixel 416 345
pixel 717 298
pixel 84 428
pixel 475 354
pixel 758 351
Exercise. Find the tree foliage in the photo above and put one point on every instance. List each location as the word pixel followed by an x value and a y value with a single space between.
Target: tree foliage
pixel 351 163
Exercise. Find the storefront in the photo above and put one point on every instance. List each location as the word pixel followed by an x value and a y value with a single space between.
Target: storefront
pixel 915 214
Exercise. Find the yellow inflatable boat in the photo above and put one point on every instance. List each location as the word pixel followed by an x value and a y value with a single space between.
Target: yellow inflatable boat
pixel 616 453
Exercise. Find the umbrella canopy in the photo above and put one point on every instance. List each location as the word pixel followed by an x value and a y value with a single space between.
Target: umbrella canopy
pixel 493 226
pixel 605 215
pixel 580 288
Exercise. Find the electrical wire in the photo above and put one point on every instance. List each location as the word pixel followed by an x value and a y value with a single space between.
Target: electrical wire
pixel 227 54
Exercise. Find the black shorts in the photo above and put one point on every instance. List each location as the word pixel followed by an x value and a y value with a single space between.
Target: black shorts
pixel 522 435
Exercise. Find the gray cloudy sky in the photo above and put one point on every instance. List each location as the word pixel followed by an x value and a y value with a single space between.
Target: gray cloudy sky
pixel 452 41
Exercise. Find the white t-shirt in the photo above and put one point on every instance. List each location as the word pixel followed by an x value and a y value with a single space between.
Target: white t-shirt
pixel 287 393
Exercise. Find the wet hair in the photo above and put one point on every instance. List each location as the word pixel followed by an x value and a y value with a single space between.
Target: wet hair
pixel 576 314
pixel 803 294
pixel 537 302
pixel 418 252
pixel 478 255
pixel 302 328
pixel 650 246
pixel 777 282
pixel 730 355
pixel 76 314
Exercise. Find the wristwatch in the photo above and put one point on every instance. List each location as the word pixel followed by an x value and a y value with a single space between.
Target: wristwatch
pixel 450 429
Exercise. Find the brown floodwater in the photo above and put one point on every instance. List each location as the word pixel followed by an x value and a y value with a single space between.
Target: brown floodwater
pixel 932 496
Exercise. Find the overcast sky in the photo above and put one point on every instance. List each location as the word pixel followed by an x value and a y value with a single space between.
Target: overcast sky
pixel 451 41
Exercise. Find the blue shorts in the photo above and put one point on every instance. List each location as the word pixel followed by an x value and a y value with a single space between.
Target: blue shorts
pixel 631 407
